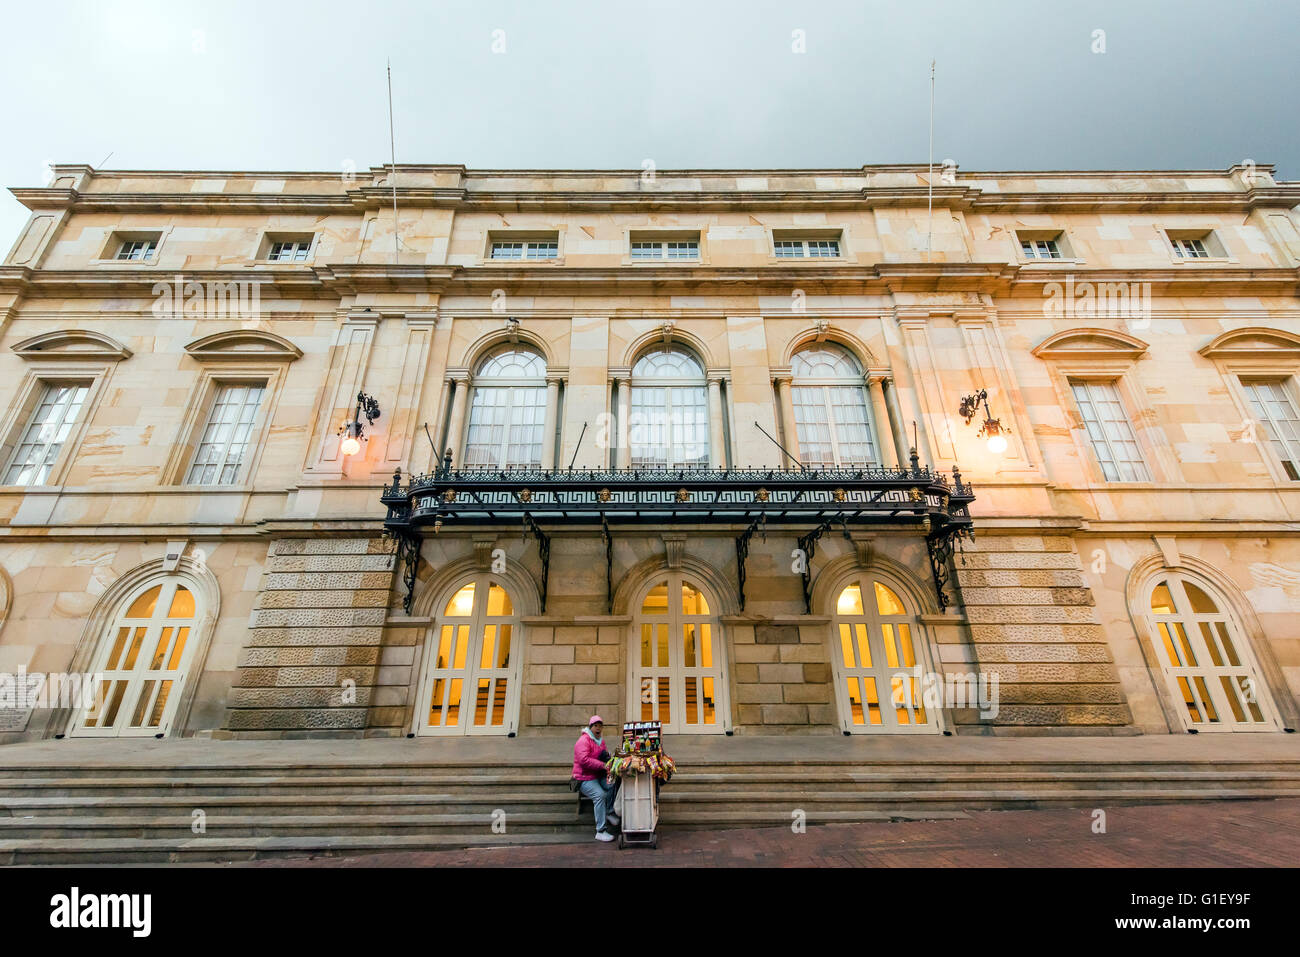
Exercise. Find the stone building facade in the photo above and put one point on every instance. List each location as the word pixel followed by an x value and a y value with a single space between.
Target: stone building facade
pixel 181 355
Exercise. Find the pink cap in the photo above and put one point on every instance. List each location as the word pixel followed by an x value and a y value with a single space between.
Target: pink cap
pixel 595 719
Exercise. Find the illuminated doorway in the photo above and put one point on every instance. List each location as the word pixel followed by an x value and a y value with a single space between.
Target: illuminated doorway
pixel 878 647
pixel 677 661
pixel 471 676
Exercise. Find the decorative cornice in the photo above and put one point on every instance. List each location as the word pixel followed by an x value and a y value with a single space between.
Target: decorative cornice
pixel 242 345
pixel 1090 343
pixel 1253 342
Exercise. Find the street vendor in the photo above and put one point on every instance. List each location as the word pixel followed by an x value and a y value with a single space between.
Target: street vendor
pixel 589 758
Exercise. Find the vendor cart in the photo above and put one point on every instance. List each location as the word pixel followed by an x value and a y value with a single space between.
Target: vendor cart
pixel 642 767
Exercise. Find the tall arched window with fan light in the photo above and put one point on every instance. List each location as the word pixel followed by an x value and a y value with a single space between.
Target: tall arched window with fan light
pixel 831 413
pixel 507 416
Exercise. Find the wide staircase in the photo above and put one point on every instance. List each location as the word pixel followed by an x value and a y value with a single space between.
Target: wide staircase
pixel 197 811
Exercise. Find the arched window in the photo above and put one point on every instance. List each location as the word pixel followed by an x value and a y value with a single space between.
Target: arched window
pixel 878 646
pixel 677 660
pixel 142 662
pixel 669 421
pixel 507 414
pixel 470 683
pixel 831 415
pixel 1206 659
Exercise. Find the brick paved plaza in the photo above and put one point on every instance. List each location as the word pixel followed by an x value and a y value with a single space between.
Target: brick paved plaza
pixel 1205 834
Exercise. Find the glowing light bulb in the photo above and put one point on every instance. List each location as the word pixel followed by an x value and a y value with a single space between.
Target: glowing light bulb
pixel 997 444
pixel 351 446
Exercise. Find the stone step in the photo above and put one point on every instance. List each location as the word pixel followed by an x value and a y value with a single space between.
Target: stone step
pixel 488 785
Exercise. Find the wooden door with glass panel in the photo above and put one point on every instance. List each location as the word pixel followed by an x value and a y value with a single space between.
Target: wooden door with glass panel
pixel 677 661
pixel 1207 661
pixel 142 663
pixel 471 682
pixel 878 647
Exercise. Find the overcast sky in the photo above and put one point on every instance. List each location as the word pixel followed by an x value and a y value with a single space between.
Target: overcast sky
pixel 168 84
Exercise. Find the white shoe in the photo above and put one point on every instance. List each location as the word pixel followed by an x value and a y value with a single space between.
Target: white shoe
pixel 604 836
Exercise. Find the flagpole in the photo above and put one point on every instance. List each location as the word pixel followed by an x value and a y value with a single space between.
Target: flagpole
pixel 392 175
pixel 929 176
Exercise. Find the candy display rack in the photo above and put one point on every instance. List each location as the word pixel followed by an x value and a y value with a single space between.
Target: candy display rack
pixel 642 766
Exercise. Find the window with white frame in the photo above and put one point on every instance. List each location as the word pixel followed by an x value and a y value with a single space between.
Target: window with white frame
pixel 1040 248
pixel 507 415
pixel 1190 248
pixel 797 248
pixel 526 249
pixel 293 250
pixel 136 249
pixel 665 249
pixel 1275 410
pixel 1109 431
pixel 57 412
pixel 669 415
pixel 224 443
pixel 829 396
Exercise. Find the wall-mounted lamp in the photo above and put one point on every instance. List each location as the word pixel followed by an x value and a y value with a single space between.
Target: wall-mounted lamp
pixel 995 431
pixel 352 431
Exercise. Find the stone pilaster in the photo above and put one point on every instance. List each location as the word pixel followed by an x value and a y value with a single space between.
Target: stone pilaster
pixel 1033 625
pixel 311 661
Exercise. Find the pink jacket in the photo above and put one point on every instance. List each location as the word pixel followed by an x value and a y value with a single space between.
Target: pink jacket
pixel 587 766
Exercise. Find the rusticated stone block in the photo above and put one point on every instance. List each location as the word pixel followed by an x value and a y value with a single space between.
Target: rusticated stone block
pixel 776 634
pixel 322 599
pixel 749 714
pixel 1042 652
pixel 785 713
pixel 296 698
pixel 277 719
pixel 745 674
pixel 292 637
pixel 576 674
pixel 1019 560
pixel 758 694
pixel 1029 613
pixel 576 636
pixel 316 617
pixel 816 672
pixel 822 714
pixel 347 581
pixel 1060 694
pixel 774 674
pixel 1022 578
pixel 595 695
pixel 1053 672
pixel 323 546
pixel 1034 633
pixel 802 653
pixel 608 674
pixel 596 654
pixel 756 653
pixel 807 693
pixel 550 694
pixel 1025 596
pixel 551 655
pixel 574 716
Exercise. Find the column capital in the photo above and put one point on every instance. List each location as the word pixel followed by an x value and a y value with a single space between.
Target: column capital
pixel 781 374
pixel 556 378
pixel 619 374
pixel 717 376
pixel 457 375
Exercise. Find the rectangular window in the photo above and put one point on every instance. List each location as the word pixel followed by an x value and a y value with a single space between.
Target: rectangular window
pixel 223 445
pixel 290 251
pixel 1109 431
pixel 1190 249
pixel 671 249
pixel 1274 409
pixel 807 248
pixel 1040 248
pixel 49 427
pixel 526 249
pixel 138 249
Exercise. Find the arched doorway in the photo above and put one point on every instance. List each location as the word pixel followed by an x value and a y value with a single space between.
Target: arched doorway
pixel 470 683
pixel 881 658
pixel 677 662
pixel 1206 659
pixel 142 662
